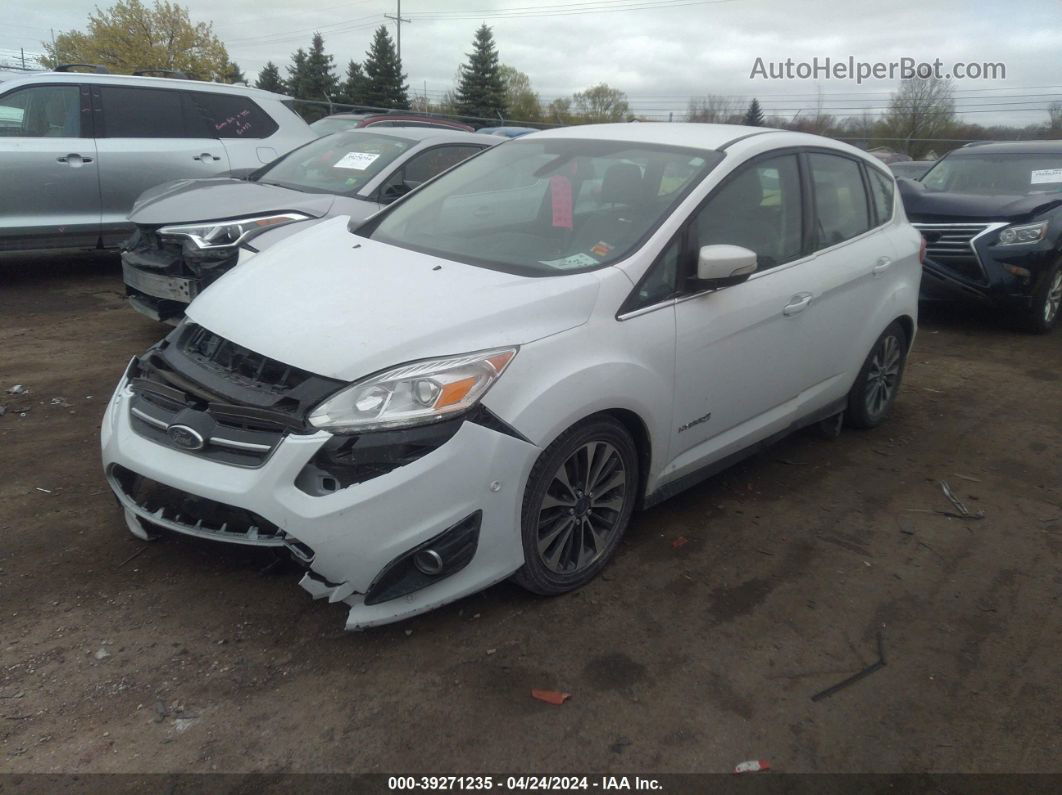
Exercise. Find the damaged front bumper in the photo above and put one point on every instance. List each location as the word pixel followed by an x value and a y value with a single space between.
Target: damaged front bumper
pixel 352 539
pixel 162 275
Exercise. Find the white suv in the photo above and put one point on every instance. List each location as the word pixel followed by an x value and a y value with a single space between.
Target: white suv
pixel 77 149
pixel 486 378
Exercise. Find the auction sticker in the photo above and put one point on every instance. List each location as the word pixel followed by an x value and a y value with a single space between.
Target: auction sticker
pixel 1044 175
pixel 359 161
pixel 574 261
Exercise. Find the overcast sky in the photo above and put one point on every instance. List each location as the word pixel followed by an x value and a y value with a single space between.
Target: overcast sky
pixel 660 52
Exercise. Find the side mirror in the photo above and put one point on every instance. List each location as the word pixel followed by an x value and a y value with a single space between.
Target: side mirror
pixel 723 266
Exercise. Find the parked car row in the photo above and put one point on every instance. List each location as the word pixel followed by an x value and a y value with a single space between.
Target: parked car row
pixel 422 360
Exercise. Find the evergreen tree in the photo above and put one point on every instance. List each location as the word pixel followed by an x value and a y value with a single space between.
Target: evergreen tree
pixel 481 89
pixel 269 78
pixel 352 90
pixel 321 81
pixel 233 74
pixel 754 115
pixel 385 86
pixel 296 82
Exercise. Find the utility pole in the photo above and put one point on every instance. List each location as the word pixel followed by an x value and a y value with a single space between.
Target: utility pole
pixel 23 51
pixel 399 19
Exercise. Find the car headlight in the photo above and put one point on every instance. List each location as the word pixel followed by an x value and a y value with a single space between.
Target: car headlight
pixel 1029 233
pixel 221 234
pixel 413 394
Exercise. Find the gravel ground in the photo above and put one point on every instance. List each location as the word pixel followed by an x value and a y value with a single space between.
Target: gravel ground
pixel 118 656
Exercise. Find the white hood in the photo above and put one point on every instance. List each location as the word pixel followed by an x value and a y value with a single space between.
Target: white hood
pixel 342 306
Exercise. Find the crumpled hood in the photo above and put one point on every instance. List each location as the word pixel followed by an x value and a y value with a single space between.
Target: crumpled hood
pixel 925 205
pixel 344 307
pixel 185 201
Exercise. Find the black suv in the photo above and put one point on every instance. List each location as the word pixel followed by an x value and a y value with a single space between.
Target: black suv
pixel 991 215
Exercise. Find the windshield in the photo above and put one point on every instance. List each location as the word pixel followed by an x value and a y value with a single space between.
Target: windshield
pixel 993 174
pixel 546 207
pixel 342 163
pixel 326 125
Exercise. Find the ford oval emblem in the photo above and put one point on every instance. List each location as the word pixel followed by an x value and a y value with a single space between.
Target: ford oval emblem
pixel 185 437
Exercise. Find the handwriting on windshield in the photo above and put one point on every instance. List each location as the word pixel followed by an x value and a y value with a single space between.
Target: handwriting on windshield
pixel 238 122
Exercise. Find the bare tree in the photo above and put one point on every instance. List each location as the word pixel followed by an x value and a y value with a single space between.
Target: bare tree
pixel 1054 114
pixel 712 108
pixel 922 108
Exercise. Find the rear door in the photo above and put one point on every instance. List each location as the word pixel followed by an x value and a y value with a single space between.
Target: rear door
pixel 49 188
pixel 240 123
pixel 144 137
pixel 850 268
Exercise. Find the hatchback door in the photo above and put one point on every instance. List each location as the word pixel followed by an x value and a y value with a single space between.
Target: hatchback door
pixel 144 137
pixel 740 362
pixel 49 190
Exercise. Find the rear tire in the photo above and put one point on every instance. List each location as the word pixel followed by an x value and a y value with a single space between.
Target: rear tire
pixel 878 382
pixel 1046 302
pixel 577 505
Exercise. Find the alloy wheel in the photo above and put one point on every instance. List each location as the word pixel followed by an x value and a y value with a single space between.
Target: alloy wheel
pixel 581 508
pixel 1054 298
pixel 883 375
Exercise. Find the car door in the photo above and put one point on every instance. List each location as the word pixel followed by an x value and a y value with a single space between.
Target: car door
pixel 852 256
pixel 144 137
pixel 740 350
pixel 240 123
pixel 49 189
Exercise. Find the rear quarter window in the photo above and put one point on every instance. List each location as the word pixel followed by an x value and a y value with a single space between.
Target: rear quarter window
pixel 231 116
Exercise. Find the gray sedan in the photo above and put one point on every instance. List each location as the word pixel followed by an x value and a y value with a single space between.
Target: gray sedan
pixel 190 232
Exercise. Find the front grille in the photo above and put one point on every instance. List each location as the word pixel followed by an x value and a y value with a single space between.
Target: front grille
pixel 240 402
pixel 241 365
pixel 172 508
pixel 951 245
pixel 247 444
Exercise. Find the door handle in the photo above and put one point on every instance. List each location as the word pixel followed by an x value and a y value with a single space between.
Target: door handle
pixel 73 159
pixel 204 157
pixel 798 303
pixel 881 266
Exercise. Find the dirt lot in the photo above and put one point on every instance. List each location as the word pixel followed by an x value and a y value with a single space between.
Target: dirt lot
pixel 122 656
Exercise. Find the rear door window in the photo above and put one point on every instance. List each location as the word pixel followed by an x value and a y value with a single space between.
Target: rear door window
pixel 231 116
pixel 143 113
pixel 841 207
pixel 433 162
pixel 881 190
pixel 41 112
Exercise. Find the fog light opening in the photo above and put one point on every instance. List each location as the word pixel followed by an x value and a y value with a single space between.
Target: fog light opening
pixel 429 562
pixel 1017 270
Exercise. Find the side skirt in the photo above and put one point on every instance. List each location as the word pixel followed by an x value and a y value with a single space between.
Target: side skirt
pixel 669 490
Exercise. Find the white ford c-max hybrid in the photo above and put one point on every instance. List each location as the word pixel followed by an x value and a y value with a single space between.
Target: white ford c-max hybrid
pixel 486 378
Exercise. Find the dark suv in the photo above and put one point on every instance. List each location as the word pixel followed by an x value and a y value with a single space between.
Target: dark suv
pixel 991 215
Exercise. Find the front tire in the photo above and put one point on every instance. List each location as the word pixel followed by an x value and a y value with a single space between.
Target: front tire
pixel 577 505
pixel 878 382
pixel 1046 302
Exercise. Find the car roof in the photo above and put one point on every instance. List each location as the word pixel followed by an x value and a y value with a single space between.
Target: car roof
pixel 138 80
pixel 696 136
pixel 435 134
pixel 1012 148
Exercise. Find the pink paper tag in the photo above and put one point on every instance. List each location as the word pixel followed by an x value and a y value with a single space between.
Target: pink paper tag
pixel 560 191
